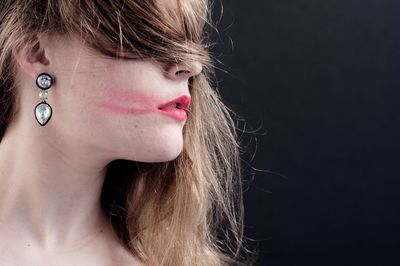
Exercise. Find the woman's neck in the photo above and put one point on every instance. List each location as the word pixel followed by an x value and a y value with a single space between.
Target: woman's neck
pixel 49 189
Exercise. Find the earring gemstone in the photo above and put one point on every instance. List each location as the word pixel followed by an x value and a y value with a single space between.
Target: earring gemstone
pixel 43 113
pixel 44 81
pixel 43 95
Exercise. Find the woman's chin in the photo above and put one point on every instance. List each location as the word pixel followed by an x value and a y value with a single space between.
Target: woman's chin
pixel 162 152
pixel 164 155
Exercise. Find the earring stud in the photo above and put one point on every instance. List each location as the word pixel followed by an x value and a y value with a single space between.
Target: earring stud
pixel 43 110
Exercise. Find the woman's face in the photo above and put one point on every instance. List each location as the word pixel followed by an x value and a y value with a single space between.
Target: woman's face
pixel 118 108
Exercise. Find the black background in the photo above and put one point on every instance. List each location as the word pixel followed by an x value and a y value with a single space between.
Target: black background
pixel 318 80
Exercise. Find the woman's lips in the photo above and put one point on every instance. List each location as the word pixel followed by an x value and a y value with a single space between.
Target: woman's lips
pixel 175 113
pixel 176 109
pixel 182 102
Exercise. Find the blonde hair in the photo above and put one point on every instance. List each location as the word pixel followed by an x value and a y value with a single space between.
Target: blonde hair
pixel 183 212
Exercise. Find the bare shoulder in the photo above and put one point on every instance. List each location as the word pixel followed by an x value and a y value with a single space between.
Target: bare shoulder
pixel 121 255
pixel 124 257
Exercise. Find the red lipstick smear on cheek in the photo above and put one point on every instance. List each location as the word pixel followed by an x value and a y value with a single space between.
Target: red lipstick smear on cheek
pixel 120 102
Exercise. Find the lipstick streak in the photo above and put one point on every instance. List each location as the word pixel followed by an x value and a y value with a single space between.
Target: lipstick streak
pixel 138 103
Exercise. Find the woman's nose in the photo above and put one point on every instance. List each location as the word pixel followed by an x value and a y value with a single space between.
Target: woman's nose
pixel 184 70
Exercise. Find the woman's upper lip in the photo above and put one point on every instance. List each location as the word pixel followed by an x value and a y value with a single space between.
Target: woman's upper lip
pixel 182 102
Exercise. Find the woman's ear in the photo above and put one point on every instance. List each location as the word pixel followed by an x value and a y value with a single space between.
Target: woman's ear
pixel 31 57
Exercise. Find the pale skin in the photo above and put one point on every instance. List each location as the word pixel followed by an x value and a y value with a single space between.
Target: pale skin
pixel 51 177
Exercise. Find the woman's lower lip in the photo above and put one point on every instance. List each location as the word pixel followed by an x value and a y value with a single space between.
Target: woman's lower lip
pixel 175 113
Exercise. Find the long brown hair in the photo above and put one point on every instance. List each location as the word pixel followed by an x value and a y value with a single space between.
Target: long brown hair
pixel 188 211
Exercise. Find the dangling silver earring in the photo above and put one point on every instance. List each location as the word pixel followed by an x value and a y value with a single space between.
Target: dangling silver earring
pixel 43 110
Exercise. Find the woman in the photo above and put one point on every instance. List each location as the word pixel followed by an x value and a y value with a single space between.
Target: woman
pixel 127 157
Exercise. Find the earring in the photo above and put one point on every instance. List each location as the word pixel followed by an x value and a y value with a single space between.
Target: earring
pixel 43 110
